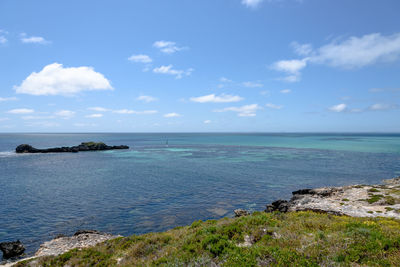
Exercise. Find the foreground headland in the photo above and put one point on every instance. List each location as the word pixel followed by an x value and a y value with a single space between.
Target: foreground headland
pixel 331 226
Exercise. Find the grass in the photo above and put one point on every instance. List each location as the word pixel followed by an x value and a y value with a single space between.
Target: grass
pixel 278 239
pixel 395 191
pixel 374 198
pixel 373 190
pixel 389 200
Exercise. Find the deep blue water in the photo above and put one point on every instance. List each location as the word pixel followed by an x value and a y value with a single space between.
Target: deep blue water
pixel 154 187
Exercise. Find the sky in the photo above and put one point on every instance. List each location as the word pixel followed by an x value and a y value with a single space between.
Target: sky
pixel 200 66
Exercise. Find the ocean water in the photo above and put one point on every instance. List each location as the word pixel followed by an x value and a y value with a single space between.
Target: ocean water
pixel 155 186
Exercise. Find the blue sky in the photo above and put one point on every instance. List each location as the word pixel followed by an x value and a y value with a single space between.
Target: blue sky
pixel 200 66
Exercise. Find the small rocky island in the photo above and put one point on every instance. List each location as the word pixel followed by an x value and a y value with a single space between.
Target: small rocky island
pixel 84 146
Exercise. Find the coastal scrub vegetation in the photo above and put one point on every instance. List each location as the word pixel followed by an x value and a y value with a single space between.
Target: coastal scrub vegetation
pixel 260 239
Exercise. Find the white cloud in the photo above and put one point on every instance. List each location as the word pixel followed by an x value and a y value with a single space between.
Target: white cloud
pixel 167 47
pixel 3 99
pixel 121 111
pixel 54 79
pixel 169 70
pixel 252 3
pixel 273 106
pixel 243 111
pixel 225 80
pixel 212 98
pixel 21 111
pixel 286 91
pixel 129 111
pixel 66 114
pixel 207 121
pixel 30 117
pixel 374 107
pixel 357 52
pixel 33 39
pixel 252 84
pixel 380 90
pixel 381 106
pixel 302 49
pixel 140 58
pixel 339 108
pixel 291 78
pixel 291 67
pixel 146 98
pixel 3 39
pixel 4 119
pixel 172 115
pixel 352 53
pixel 79 124
pixel 96 115
pixel 99 109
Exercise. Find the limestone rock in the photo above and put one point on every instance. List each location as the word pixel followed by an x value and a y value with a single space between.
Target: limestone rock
pixel 241 212
pixel 81 239
pixel 355 201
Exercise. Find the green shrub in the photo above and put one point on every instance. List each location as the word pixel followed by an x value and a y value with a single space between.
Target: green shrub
pixel 374 198
pixel 279 239
pixel 373 190
pixel 216 244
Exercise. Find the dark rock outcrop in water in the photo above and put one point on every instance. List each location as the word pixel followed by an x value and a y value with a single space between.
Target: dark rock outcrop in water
pixel 279 205
pixel 85 146
pixel 12 249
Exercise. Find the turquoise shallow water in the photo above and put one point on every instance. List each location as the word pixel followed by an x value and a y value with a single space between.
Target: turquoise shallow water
pixel 154 186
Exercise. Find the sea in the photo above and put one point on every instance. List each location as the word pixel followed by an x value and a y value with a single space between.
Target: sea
pixel 167 180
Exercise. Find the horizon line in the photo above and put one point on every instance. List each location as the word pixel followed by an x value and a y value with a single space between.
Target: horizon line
pixel 211 132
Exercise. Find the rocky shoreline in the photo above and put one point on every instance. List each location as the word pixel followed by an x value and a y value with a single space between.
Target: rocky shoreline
pixel 62 244
pixel 84 146
pixel 355 201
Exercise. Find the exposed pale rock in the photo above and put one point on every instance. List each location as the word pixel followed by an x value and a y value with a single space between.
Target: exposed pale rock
pixel 247 242
pixel 81 239
pixel 241 212
pixel 356 200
